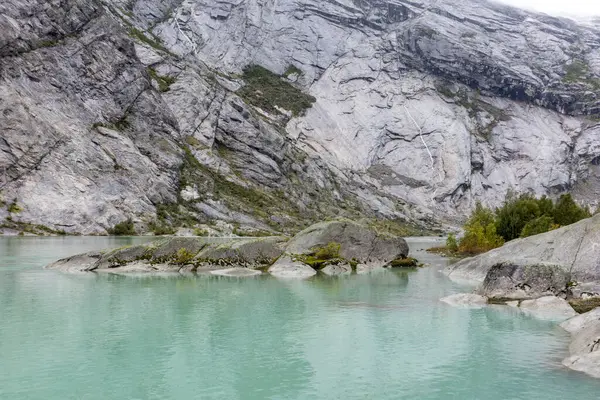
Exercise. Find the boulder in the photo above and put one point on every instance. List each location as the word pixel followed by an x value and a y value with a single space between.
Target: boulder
pixel 581 321
pixel 337 269
pixel 336 247
pixel 285 267
pixel 514 281
pixel 471 300
pixel 572 249
pixel 585 349
pixel 548 307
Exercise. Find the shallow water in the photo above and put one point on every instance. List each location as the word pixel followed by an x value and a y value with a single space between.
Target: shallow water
pixel 378 336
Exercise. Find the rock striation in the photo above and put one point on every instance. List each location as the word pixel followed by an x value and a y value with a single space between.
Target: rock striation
pixel 118 109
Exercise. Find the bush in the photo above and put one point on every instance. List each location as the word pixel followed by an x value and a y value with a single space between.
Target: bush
pixel 539 225
pixel 517 212
pixel 183 256
pixel 567 212
pixel 452 243
pixel 266 90
pixel 124 228
pixel 480 232
pixel 331 251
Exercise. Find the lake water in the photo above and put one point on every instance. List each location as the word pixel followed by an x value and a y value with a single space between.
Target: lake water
pixel 378 336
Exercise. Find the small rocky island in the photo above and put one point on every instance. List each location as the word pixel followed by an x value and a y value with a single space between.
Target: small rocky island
pixel 554 275
pixel 333 248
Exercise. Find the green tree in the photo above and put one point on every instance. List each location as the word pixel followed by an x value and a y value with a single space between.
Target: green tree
pixel 480 232
pixel 567 212
pixel 516 213
pixel 451 242
pixel 539 225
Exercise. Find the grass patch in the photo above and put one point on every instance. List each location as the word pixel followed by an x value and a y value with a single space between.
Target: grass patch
pixel 320 257
pixel 579 72
pixel 266 90
pixel 147 38
pixel 164 82
pixel 14 208
pixel 292 70
pixel 584 305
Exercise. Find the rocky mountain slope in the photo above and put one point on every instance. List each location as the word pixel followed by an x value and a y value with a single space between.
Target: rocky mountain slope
pixel 406 110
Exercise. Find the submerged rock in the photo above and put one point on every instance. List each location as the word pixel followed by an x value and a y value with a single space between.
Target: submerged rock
pixel 465 300
pixel 236 272
pixel 548 307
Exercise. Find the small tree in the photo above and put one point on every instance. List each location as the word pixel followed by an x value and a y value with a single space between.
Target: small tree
pixel 567 212
pixel 452 243
pixel 480 232
pixel 538 225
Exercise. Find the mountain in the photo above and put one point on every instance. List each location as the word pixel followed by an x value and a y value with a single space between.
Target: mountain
pixel 273 114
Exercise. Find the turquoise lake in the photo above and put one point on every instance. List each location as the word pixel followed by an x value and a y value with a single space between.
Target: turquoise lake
pixel 380 336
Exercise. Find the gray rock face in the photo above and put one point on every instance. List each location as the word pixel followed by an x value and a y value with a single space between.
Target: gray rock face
pixel 574 249
pixel 507 280
pixel 585 345
pixel 113 109
pixel 581 321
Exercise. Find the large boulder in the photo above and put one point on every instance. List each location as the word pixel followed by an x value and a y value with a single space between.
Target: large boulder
pixel 342 243
pixel 514 281
pixel 574 249
pixel 585 343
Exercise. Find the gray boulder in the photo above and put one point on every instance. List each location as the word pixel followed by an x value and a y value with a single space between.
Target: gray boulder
pixel 344 244
pixel 585 346
pixel 514 281
pixel 581 321
pixel 285 268
pixel 574 249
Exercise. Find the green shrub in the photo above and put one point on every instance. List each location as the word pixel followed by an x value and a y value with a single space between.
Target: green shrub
pixel 408 262
pixel 567 212
pixel 124 228
pixel 265 90
pixel 200 232
pixel 517 212
pixel 160 228
pixel 183 256
pixel 480 232
pixel 452 243
pixel 328 252
pixel 539 225
pixel 14 208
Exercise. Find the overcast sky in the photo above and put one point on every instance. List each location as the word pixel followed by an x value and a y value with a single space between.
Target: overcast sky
pixel 584 8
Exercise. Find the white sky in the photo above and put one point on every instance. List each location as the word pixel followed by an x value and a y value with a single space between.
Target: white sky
pixel 582 8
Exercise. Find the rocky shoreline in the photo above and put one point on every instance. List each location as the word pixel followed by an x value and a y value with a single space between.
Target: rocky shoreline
pixel 548 276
